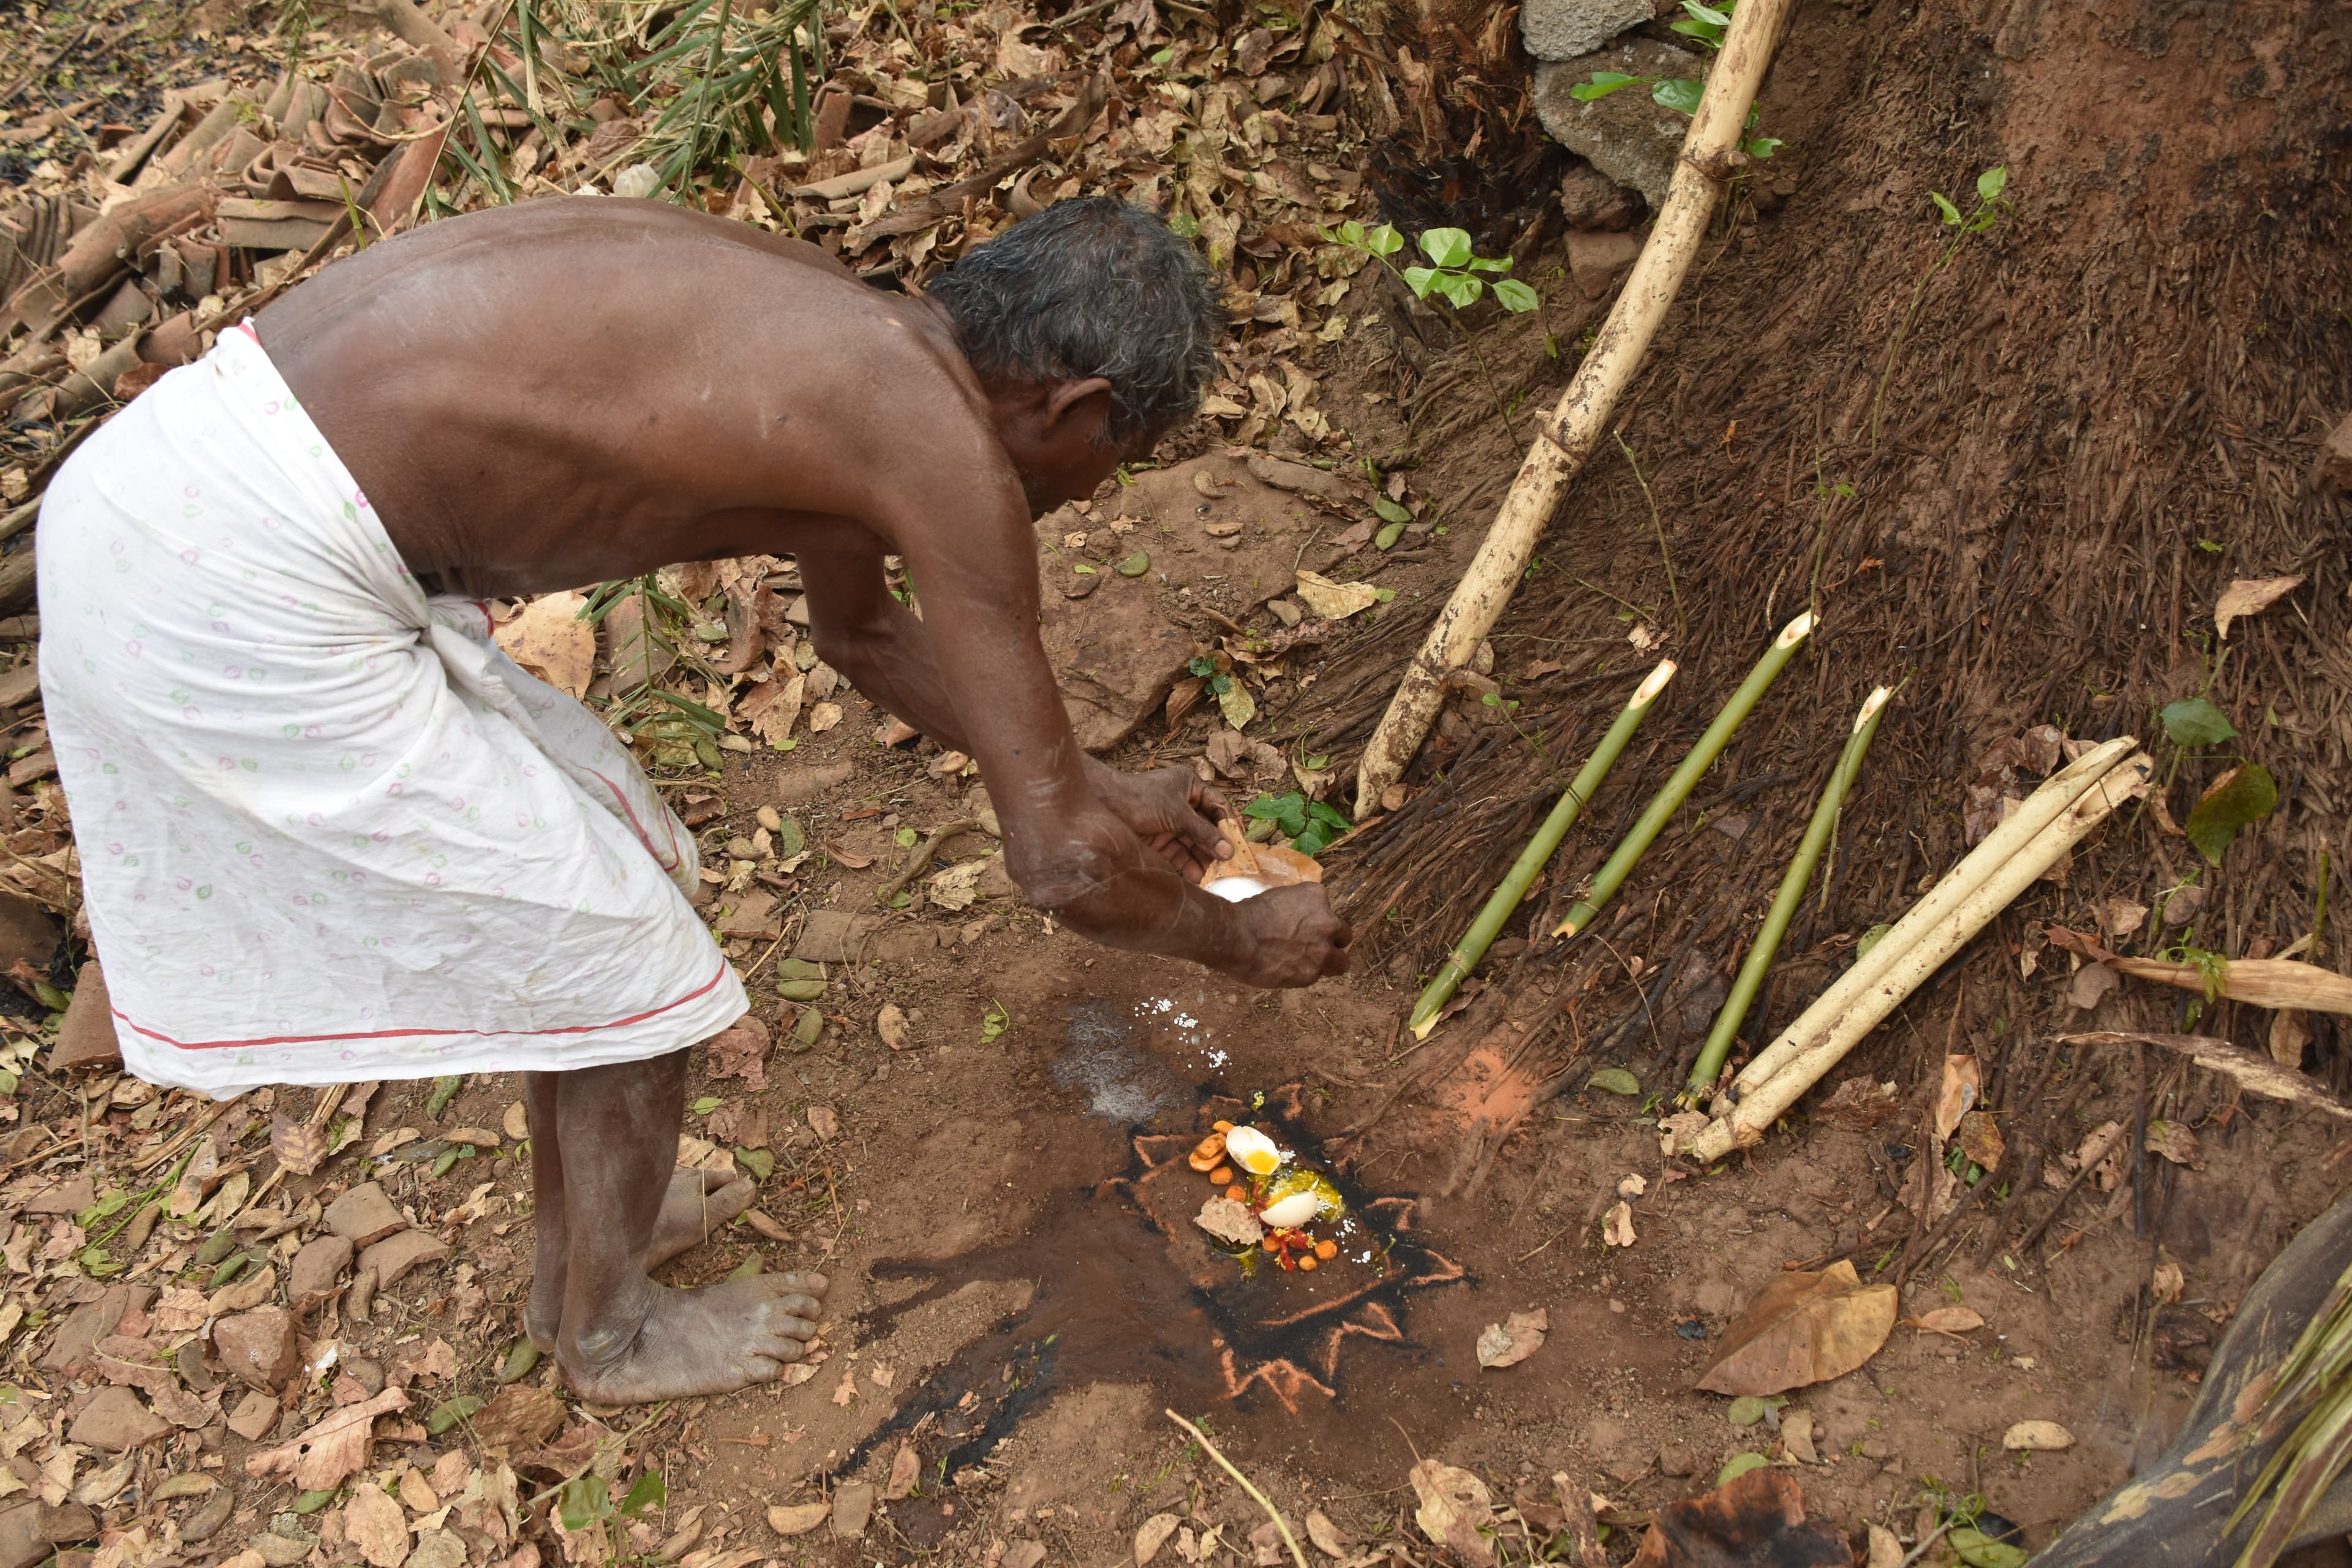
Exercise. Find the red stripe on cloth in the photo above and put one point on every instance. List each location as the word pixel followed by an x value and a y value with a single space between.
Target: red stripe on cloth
pixel 643 838
pixel 702 990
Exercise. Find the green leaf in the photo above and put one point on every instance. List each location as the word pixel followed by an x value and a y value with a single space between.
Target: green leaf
pixel 761 1162
pixel 706 1105
pixel 1615 1081
pixel 1388 595
pixel 1762 146
pixel 1678 93
pixel 584 1501
pixel 1708 14
pixel 445 1090
pixel 798 969
pixel 1184 224
pixel 1979 1550
pixel 994 1022
pixel 2197 722
pixel 1447 247
pixel 2245 794
pixel 449 1412
pixel 1944 205
pixel 1419 278
pixel 1352 233
pixel 1329 817
pixel 1740 1466
pixel 1134 565
pixel 1387 536
pixel 1384 240
pixel 1461 288
pixel 1993 182
pixel 1746 1411
pixel 1204 667
pixel 111 1204
pixel 1085 568
pixel 1515 296
pixel 1490 264
pixel 314 1499
pixel 1601 84
pixel 649 1493
pixel 1391 511
pixel 1236 703
pixel 809 1027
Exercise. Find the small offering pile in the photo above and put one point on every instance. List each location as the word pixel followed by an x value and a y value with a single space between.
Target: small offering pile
pixel 1268 1202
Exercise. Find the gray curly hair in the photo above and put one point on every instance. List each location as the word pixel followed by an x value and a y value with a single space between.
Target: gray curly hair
pixel 1094 286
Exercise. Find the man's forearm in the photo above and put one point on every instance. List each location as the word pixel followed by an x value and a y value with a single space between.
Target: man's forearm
pixel 894 664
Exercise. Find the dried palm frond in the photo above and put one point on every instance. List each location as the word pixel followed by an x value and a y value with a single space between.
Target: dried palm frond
pixel 2312 1392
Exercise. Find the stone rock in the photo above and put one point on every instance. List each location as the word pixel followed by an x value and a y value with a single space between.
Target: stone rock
pixel 26 930
pixel 67 1522
pixel 996 882
pixel 1677 1459
pixel 752 913
pixel 318 1268
pixel 1114 653
pixel 852 1505
pixel 397 1254
pixel 437 1549
pixel 116 1420
pixel 830 936
pixel 2333 470
pixel 92 1321
pixel 801 786
pixel 365 1215
pixel 1563 29
pixel 258 1346
pixel 1591 200
pixel 22 1544
pixel 86 1037
pixel 255 1415
pixel 276 1550
pixel 1594 260
pixel 1627 135
pixel 65 1197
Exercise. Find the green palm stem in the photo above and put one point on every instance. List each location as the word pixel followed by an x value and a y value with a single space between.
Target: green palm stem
pixel 1513 886
pixel 1669 799
pixel 1818 834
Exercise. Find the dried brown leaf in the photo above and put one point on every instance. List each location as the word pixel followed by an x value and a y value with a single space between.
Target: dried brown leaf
pixel 1454 1507
pixel 550 641
pixel 1513 1340
pixel 1802 1328
pixel 336 1448
pixel 299 1147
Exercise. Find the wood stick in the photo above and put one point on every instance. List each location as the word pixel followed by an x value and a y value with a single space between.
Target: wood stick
pixel 1227 1465
pixel 1710 155
pixel 2041 808
pixel 1837 1024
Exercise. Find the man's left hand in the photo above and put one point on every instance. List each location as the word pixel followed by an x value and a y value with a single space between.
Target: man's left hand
pixel 1171 810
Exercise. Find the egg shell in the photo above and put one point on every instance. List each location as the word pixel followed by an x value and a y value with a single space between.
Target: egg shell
pixel 1290 1213
pixel 1252 1150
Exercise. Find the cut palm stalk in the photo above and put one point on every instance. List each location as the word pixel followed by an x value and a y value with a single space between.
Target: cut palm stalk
pixel 2037 812
pixel 1710 157
pixel 1532 859
pixel 2274 982
pixel 1818 833
pixel 1832 1031
pixel 1677 787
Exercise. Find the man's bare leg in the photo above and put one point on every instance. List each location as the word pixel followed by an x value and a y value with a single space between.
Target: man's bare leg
pixel 624 1339
pixel 696 1204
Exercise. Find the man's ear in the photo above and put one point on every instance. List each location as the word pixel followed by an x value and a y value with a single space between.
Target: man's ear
pixel 1086 401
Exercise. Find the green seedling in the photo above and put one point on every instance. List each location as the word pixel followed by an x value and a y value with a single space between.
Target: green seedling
pixel 1704 26
pixel 1310 826
pixel 1989 210
pixel 1454 274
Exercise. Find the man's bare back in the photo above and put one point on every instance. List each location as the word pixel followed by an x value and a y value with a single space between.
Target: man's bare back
pixel 568 391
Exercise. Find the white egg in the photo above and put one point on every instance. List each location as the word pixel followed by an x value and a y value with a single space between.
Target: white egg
pixel 1292 1211
pixel 1252 1150
pixel 1233 889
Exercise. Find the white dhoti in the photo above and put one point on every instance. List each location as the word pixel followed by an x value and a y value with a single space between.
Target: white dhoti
pixel 328 829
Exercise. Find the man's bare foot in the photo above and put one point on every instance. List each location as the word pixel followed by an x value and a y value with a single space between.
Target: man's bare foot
pixel 697 1204
pixel 712 1341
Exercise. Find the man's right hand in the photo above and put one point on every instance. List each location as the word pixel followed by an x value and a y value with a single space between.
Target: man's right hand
pixel 1292 938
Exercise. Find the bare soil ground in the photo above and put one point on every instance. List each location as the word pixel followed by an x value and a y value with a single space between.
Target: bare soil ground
pixel 2103 415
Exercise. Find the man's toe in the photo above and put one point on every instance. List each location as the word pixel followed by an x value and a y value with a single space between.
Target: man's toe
pixel 801 1306
pixel 805 1284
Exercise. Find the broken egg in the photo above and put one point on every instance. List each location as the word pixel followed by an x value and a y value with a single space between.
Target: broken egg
pixel 1297 1198
pixel 1252 1150
pixel 1290 1213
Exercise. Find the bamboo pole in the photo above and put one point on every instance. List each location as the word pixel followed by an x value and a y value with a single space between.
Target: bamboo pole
pixel 2058 792
pixel 1513 886
pixel 1818 833
pixel 1684 778
pixel 1710 156
pixel 1830 1028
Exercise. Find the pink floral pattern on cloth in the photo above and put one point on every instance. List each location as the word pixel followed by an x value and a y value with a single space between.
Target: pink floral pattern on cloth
pixel 328 829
